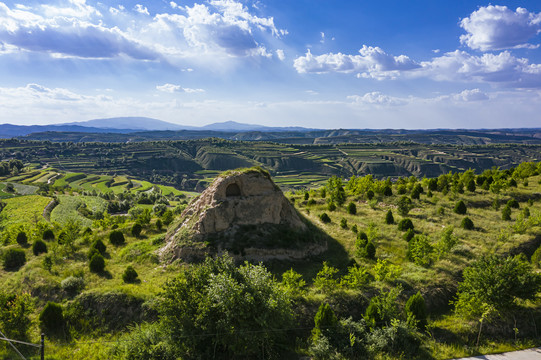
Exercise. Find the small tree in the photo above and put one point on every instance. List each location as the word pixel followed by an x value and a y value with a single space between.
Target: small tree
pixel 325 279
pixel 467 224
pixel 506 213
pixel 387 191
pixel 167 217
pixel 389 218
pixel 405 225
pixel 325 218
pixel 325 321
pixel 404 205
pixel 409 234
pixel 116 237
pixel 352 208
pixel 130 275
pixel 159 225
pixel 51 320
pixel 293 283
pixel 14 259
pixel 331 206
pixel 471 185
pixel 22 239
pixel 460 208
pixel 99 246
pixel 15 310
pixel 416 310
pixel 97 263
pixel 370 250
pixel 48 235
pixel 512 203
pixel 344 223
pixel 419 250
pixel 39 247
pixel 136 229
pixel 417 191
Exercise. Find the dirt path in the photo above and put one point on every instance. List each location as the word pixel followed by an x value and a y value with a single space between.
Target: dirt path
pixel 530 354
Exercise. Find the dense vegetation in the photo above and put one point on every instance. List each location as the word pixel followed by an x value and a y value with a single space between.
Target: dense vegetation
pixel 405 274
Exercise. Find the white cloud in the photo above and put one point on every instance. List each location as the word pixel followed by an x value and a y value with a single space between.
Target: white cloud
pixel 174 5
pixel 376 98
pixel 172 88
pixel 322 37
pixel 372 62
pixel 498 28
pixel 471 95
pixel 141 9
pixel 280 54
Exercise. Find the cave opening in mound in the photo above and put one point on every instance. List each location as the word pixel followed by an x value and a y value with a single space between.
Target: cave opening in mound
pixel 232 190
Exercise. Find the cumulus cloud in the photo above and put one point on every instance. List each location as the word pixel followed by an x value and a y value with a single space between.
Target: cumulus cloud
pixel 219 28
pixel 498 27
pixel 471 95
pixel 372 62
pixel 376 98
pixel 172 88
pixel 280 54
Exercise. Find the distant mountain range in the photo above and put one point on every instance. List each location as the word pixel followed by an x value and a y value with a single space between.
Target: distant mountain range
pixel 126 125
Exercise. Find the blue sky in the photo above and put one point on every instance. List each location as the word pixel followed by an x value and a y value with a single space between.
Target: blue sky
pixel 318 63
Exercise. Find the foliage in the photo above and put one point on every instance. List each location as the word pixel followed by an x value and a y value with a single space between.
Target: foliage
pixel 370 250
pixel 335 190
pixel 97 263
pixel 293 283
pixel 356 278
pixel 39 247
pixel 384 271
pixel 325 218
pixel 116 237
pixel 22 238
pixel 325 321
pixel 404 205
pixel 14 259
pixel 15 310
pixel 130 275
pixel 143 342
pixel 383 308
pixel 415 310
pixel 513 203
pixel 460 208
pixel 467 224
pixel 331 206
pixel 344 223
pixel 496 282
pixel 51 320
pixel 136 230
pixel 420 250
pixel 506 213
pixel 217 308
pixel 398 340
pixel 409 234
pixel 72 285
pixel 325 279
pixel 167 217
pixel 351 208
pixel 446 242
pixel 405 225
pixel 99 246
pixel 389 218
pixel 48 235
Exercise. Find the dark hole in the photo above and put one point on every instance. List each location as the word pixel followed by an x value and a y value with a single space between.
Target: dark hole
pixel 232 190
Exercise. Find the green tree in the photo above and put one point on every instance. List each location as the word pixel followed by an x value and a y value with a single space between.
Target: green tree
pixel 136 229
pixel 116 237
pixel 352 208
pixel 51 320
pixel 97 263
pixel 405 225
pixel 130 275
pixel 460 208
pixel 22 238
pixel 370 250
pixel 325 279
pixel 356 278
pixel 383 308
pixel 506 213
pixel 293 283
pixel 39 247
pixel 325 321
pixel 167 217
pixel 404 205
pixel 15 310
pixel 335 189
pixel 389 218
pixel 14 259
pixel 216 308
pixel 415 310
pixel 419 250
pixel 467 224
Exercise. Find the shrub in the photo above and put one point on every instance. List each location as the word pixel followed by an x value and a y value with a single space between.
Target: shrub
pixel 467 224
pixel 97 263
pixel 100 246
pixel 130 275
pixel 387 191
pixel 496 204
pixel 116 237
pixel 409 234
pixel 405 225
pixel 48 235
pixel 417 191
pixel 136 230
pixel 14 259
pixel 159 225
pixel 471 185
pixel 389 218
pixel 460 208
pixel 536 258
pixel 404 205
pixel 352 208
pixel 419 250
pixel 39 247
pixel 344 223
pixel 331 206
pixel 310 202
pixel 51 320
pixel 325 218
pixel 306 195
pixel 512 203
pixel 370 250
pixel 354 228
pixel 416 310
pixel 72 285
pixel 325 279
pixel 22 239
pixel 506 213
pixel 369 194
pixel 15 310
pixel 325 321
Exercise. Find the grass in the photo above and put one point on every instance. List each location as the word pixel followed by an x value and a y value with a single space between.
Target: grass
pixel 24 209
pixel 68 208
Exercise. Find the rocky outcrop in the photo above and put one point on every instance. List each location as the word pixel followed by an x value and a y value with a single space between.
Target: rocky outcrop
pixel 245 213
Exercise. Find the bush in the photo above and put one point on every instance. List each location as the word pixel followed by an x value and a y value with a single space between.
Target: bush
pixel 416 310
pixel 344 223
pixel 467 224
pixel 506 213
pixel 460 208
pixel 22 239
pixel 130 275
pixel 417 191
pixel 14 259
pixel 387 191
pixel 325 321
pixel 159 225
pixel 512 203
pixel 72 285
pixel 352 208
pixel 405 225
pixel 39 247
pixel 48 235
pixel 51 320
pixel 404 205
pixel 136 230
pixel 97 263
pixel 369 194
pixel 370 250
pixel 100 246
pixel 409 234
pixel 325 218
pixel 331 206
pixel 116 237
pixel 471 185
pixel 389 218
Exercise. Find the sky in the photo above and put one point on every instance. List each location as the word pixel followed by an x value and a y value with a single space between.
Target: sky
pixel 313 63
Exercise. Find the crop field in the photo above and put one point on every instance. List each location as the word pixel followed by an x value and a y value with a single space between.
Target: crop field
pixel 68 206
pixel 24 210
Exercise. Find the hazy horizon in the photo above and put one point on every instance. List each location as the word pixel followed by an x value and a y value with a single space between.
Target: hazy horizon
pixel 351 65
